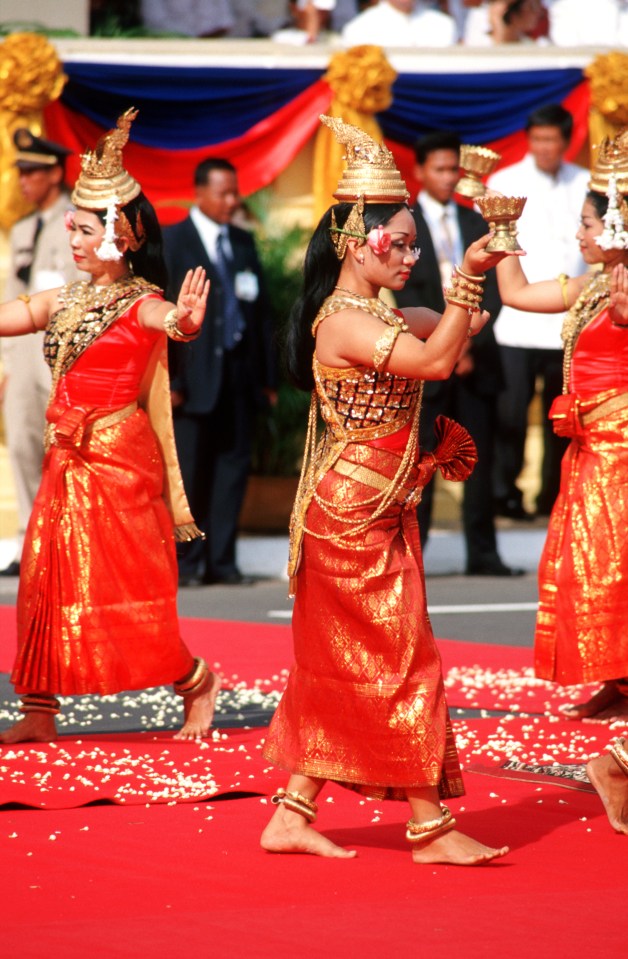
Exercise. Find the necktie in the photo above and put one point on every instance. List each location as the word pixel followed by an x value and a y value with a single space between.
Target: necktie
pixel 232 314
pixel 24 272
pixel 445 251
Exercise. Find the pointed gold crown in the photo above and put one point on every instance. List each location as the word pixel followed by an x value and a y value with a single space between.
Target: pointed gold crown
pixel 612 158
pixel 103 179
pixel 371 172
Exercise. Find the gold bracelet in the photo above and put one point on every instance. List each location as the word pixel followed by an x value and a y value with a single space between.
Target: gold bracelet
pixel 563 280
pixel 455 299
pixel 173 331
pixel 467 276
pixel 26 300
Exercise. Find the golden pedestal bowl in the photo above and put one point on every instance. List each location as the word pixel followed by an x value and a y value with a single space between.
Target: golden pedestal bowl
pixel 476 163
pixel 501 213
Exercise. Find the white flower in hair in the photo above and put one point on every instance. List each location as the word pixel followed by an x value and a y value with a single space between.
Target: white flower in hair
pixel 614 235
pixel 108 249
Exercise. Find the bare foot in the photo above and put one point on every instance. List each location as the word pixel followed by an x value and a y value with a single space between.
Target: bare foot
pixel 33 728
pixel 455 848
pixel 607 703
pixel 198 710
pixel 611 785
pixel 289 832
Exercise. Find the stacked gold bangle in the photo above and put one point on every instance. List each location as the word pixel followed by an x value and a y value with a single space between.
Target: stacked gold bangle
pixel 465 290
pixel 620 754
pixel 423 831
pixel 297 803
pixel 40 703
pixel 195 681
pixel 173 331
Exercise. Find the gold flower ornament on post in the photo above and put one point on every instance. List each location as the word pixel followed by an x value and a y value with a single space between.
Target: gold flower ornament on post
pixel 32 76
pixel 361 80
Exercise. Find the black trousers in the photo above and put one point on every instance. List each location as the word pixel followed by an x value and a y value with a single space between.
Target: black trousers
pixel 214 452
pixel 521 368
pixel 476 412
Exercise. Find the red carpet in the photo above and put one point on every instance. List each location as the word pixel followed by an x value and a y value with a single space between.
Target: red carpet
pixel 170 867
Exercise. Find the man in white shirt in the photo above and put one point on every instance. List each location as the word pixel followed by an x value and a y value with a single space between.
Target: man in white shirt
pixel 530 343
pixel 401 23
pixel 588 22
pixel 444 230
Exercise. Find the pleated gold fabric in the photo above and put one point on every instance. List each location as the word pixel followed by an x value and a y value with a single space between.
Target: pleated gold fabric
pixel 365 703
pixel 582 624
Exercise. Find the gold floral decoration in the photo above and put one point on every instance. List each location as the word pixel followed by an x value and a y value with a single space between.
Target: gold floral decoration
pixel 361 78
pixel 608 75
pixel 31 76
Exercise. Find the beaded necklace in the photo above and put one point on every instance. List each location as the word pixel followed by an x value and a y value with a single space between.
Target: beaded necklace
pixel 594 298
pixel 87 311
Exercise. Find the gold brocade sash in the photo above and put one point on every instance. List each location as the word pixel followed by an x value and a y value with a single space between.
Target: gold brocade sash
pixel 155 400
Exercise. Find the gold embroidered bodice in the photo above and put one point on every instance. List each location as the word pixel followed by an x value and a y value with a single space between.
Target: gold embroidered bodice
pixel 357 404
pixel 363 404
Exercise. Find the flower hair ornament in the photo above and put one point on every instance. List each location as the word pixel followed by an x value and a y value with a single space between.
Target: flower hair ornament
pixel 370 176
pixel 614 235
pixel 104 185
pixel 609 176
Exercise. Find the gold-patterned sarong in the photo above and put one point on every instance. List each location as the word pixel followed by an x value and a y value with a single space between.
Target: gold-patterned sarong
pixel 582 624
pixel 365 703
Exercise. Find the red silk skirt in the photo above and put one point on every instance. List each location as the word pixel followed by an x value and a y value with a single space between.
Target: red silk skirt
pixel 97 598
pixel 365 704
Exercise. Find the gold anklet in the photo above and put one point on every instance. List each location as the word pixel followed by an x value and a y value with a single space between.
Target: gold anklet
pixel 620 754
pixel 423 831
pixel 297 803
pixel 40 703
pixel 195 681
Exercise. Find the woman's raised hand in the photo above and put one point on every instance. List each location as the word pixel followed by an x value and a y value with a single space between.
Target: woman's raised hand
pixel 477 260
pixel 619 295
pixel 192 300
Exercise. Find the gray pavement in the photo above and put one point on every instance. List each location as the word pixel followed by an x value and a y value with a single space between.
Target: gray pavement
pixel 471 608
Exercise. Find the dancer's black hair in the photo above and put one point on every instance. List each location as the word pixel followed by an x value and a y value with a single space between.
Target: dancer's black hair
pixel 147 262
pixel 320 276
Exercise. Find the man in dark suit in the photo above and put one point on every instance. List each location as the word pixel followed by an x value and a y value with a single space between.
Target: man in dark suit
pixel 444 230
pixel 222 379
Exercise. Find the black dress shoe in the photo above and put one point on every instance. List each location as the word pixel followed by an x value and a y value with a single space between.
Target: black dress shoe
pixel 228 579
pixel 186 580
pixel 512 509
pixel 13 569
pixel 493 567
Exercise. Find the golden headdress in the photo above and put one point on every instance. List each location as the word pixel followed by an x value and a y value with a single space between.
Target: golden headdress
pixel 371 176
pixel 609 176
pixel 104 184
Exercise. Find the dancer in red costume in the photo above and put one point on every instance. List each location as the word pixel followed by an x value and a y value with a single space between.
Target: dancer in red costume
pixel 97 596
pixel 365 704
pixel 582 624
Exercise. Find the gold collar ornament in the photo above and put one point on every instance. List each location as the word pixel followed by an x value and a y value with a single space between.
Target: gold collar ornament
pixel 104 184
pixel 371 176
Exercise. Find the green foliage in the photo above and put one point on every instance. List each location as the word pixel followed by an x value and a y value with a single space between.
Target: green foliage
pixel 280 432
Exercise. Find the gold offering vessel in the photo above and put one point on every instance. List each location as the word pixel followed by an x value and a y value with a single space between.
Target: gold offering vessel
pixel 476 163
pixel 501 213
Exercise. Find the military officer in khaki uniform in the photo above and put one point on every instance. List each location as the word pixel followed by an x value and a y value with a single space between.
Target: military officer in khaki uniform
pixel 40 259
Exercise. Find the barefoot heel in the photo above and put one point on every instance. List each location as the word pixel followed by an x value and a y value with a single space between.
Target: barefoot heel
pixel 425 831
pixel 296 803
pixel 620 754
